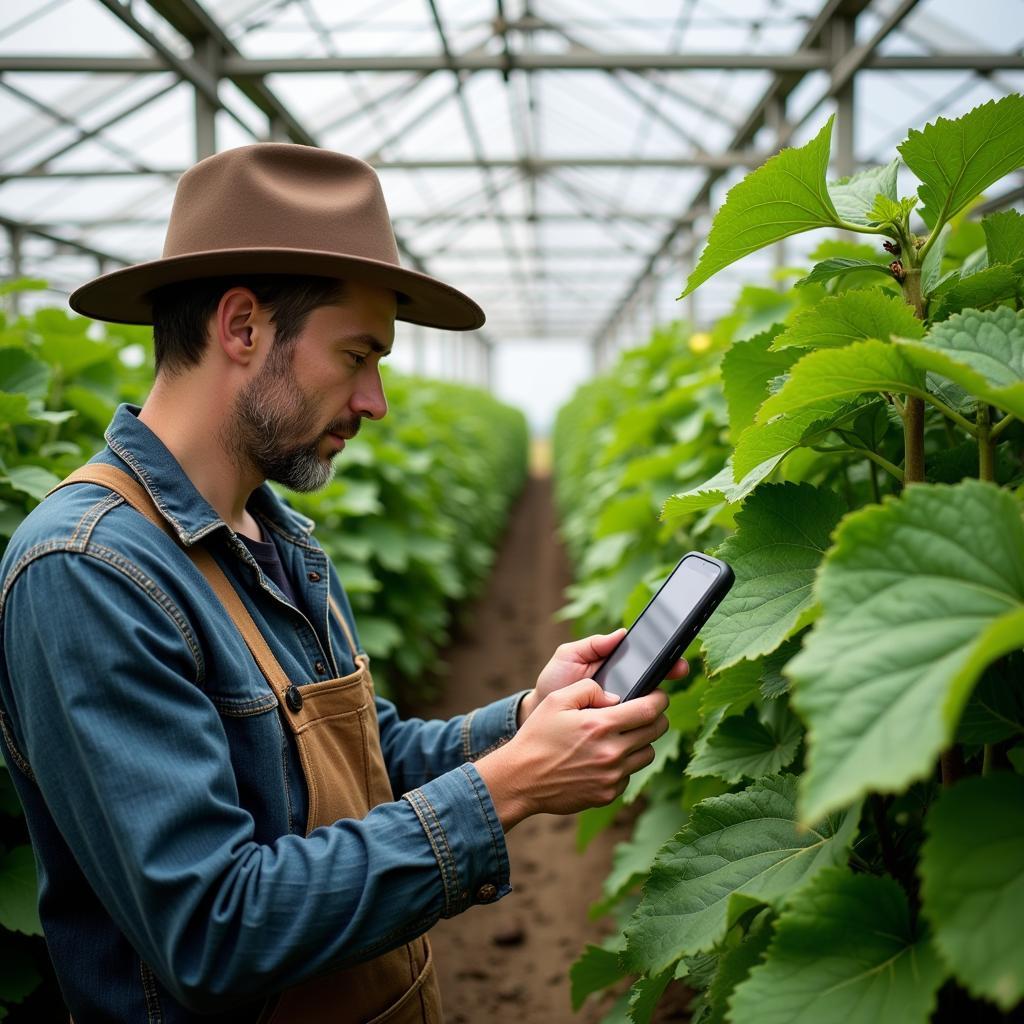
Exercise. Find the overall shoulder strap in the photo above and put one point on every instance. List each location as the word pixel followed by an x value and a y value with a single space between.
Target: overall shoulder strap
pixel 138 497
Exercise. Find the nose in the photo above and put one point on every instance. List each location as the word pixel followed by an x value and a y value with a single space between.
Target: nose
pixel 370 400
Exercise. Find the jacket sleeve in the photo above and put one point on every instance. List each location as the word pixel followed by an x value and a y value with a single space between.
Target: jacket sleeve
pixel 416 751
pixel 132 761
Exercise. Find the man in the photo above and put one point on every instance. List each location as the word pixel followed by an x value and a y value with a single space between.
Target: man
pixel 228 825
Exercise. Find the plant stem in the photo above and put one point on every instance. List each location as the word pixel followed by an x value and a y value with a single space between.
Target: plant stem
pixel 952 764
pixel 913 441
pixel 960 421
pixel 881 823
pixel 1001 425
pixel 987 759
pixel 986 449
pixel 867 453
pixel 875 493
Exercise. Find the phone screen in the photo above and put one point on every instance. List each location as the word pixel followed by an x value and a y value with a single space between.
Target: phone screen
pixel 672 605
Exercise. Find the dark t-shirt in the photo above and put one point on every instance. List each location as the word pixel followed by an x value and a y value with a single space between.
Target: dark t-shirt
pixel 265 553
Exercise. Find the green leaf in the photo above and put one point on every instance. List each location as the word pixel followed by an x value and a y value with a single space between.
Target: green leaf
pixel 830 374
pixel 593 821
pixel 666 747
pixel 18 910
pixel 995 711
pixel 982 352
pixel 734 689
pixel 783 197
pixel 854 197
pixel 844 952
pixel 1004 236
pixel 918 596
pixel 21 373
pixel 985 288
pixel 735 965
pixel 772 442
pixel 720 488
pixel 957 160
pixel 595 969
pixel 379 636
pixel 839 320
pixel 746 370
pixel 840 266
pixel 738 850
pixel 15 409
pixel 644 996
pixel 631 861
pixel 890 212
pixel 931 268
pixel 749 746
pixel 972 875
pixel 782 534
pixel 31 480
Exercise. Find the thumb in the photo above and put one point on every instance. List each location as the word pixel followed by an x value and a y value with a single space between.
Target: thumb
pixel 585 694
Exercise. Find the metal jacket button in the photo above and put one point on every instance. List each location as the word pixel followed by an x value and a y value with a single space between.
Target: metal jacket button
pixel 293 698
pixel 320 667
pixel 313 577
pixel 486 893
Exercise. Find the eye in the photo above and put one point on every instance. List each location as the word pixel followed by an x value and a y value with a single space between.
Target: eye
pixel 358 359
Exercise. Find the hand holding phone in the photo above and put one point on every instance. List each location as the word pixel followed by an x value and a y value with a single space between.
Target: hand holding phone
pixel 666 627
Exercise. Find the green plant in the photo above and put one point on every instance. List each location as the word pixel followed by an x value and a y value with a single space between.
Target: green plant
pixel 862 707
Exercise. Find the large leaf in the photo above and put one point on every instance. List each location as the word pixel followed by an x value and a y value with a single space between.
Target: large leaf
pixel 771 442
pixel 748 745
pixel 854 197
pixel 837 373
pixel 783 197
pixel 31 480
pixel 738 850
pixel 985 288
pixel 982 352
pixel 597 968
pixel 972 871
pixel 957 160
pixel 839 266
pixel 918 595
pixel 844 952
pixel 1004 236
pixel 782 534
pixel 747 369
pixel 839 320
pixel 734 966
pixel 720 488
pixel 22 373
pixel 18 911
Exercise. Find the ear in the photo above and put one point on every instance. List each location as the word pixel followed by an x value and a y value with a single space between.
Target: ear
pixel 240 326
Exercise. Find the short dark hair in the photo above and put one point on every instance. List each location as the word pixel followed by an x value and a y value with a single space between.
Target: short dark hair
pixel 182 311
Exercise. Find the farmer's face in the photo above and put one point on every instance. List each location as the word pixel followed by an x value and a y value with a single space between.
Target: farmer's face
pixel 310 395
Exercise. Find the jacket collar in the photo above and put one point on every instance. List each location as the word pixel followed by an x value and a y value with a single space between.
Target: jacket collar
pixel 175 496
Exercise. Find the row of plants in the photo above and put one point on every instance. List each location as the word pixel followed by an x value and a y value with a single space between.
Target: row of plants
pixel 410 521
pixel 833 827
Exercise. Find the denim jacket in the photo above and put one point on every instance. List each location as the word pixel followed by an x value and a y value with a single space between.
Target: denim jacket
pixel 165 800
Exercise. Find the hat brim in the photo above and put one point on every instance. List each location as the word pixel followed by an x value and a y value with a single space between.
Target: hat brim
pixel 122 296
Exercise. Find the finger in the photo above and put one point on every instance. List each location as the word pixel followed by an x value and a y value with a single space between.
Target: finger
pixel 635 739
pixel 678 670
pixel 594 648
pixel 632 714
pixel 638 759
pixel 583 694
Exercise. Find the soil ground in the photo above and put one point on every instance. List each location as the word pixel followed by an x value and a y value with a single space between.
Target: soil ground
pixel 509 962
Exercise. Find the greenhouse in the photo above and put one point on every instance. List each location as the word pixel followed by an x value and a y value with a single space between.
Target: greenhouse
pixel 642 641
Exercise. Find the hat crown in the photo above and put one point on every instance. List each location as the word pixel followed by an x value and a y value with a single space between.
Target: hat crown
pixel 281 196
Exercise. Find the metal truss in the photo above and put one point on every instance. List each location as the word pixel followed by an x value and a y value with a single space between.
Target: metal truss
pixel 543 282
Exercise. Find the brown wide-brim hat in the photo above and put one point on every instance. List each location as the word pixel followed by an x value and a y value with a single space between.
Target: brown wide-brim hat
pixel 278 208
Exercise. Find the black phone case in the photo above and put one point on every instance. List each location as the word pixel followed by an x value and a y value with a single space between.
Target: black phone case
pixel 684 635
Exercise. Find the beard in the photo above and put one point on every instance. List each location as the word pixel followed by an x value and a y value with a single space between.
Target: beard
pixel 274 428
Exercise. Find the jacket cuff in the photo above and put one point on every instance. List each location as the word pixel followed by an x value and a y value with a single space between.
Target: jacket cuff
pixel 462 826
pixel 487 728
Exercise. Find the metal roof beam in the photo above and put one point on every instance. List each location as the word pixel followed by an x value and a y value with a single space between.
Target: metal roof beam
pixel 241 68
pixel 71 243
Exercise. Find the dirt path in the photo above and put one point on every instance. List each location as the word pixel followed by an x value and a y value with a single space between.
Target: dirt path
pixel 510 961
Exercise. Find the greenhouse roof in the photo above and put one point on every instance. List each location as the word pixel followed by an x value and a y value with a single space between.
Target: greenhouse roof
pixel 557 160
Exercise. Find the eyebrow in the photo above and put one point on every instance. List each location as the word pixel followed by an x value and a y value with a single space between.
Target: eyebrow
pixel 368 339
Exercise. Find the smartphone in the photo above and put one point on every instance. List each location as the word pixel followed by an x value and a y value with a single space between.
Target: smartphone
pixel 666 627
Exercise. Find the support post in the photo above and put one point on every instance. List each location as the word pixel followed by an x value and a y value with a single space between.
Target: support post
pixel 842 42
pixel 207 55
pixel 15 236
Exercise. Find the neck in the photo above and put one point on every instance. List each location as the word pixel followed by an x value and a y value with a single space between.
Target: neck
pixel 190 418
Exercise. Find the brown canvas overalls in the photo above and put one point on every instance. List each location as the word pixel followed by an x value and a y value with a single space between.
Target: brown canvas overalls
pixel 335 728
